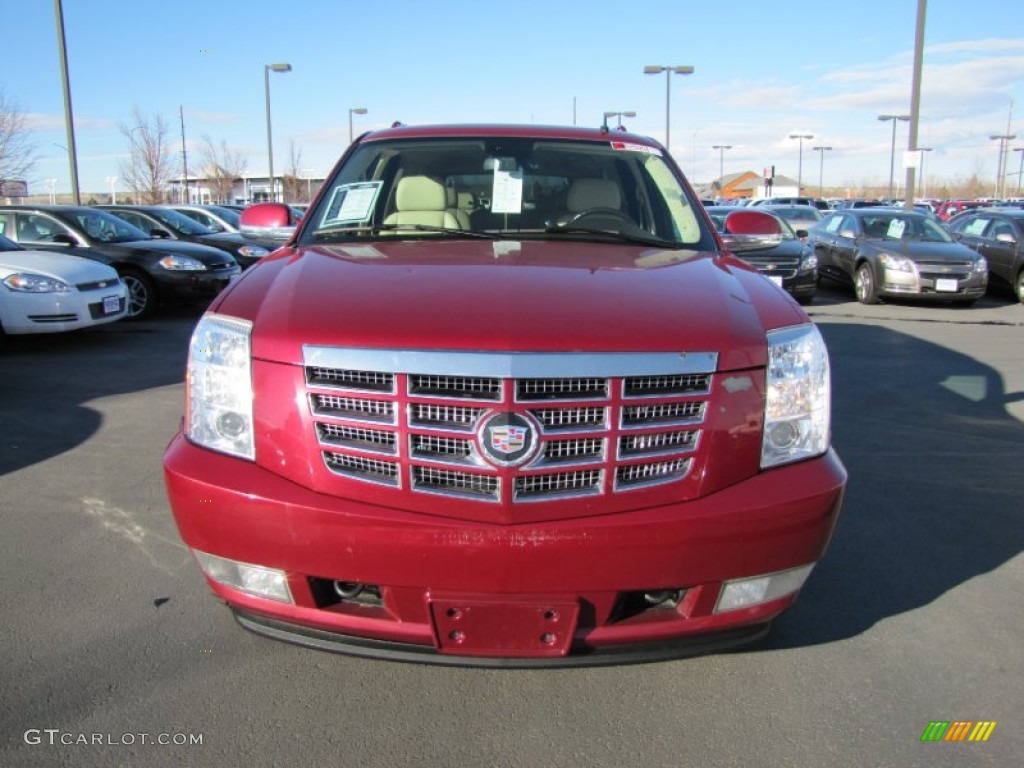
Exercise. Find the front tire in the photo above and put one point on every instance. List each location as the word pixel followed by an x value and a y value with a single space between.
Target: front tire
pixel 141 295
pixel 1018 286
pixel 864 284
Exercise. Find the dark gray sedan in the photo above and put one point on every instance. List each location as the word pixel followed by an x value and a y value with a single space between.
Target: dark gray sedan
pixel 901 254
pixel 998 235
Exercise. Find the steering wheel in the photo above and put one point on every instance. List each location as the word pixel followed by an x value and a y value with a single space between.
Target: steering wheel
pixel 612 213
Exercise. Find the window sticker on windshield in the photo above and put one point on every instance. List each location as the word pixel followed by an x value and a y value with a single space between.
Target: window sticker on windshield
pixel 625 146
pixel 896 227
pixel 507 193
pixel 352 202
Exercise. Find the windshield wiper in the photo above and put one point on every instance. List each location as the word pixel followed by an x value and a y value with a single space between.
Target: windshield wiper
pixel 574 229
pixel 327 233
pixel 442 230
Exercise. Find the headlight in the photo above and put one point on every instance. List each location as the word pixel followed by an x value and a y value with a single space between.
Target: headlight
pixel 253 251
pixel 808 261
pixel 898 263
pixel 181 263
pixel 27 282
pixel 219 406
pixel 798 399
pixel 981 265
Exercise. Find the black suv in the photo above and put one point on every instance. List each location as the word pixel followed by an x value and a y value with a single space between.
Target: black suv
pixel 153 269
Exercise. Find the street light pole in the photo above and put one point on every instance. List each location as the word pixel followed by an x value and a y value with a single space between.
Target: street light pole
pixel 354 111
pixel 1020 171
pixel 892 152
pixel 655 69
pixel 924 180
pixel 1000 168
pixel 821 168
pixel 267 69
pixel 721 163
pixel 800 165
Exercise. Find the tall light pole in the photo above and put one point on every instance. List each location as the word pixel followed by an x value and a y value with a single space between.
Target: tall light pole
pixel 619 115
pixel 721 163
pixel 354 111
pixel 1020 171
pixel 821 167
pixel 892 152
pixel 267 69
pixel 1003 155
pixel 655 69
pixel 69 120
pixel 924 180
pixel 800 165
pixel 112 181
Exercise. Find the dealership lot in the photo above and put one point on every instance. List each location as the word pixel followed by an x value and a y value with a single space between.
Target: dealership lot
pixel 913 616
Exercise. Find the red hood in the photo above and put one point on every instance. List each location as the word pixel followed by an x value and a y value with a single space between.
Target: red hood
pixel 528 296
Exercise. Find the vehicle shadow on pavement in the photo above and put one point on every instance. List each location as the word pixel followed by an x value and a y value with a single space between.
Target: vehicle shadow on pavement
pixel 47 380
pixel 934 489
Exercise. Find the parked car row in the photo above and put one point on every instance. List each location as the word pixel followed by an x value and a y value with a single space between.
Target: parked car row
pixel 144 255
pixel 153 269
pixel 158 254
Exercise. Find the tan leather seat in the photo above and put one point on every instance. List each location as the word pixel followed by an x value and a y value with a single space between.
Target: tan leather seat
pixel 421 200
pixel 585 194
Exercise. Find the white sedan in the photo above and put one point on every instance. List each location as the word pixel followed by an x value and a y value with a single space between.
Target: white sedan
pixel 43 292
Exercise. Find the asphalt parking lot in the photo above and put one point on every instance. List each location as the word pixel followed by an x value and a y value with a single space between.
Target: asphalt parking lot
pixel 112 643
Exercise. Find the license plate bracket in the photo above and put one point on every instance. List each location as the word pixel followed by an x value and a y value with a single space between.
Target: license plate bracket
pixel 111 305
pixel 946 285
pixel 498 626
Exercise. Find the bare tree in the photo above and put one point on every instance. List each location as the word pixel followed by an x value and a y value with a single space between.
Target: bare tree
pixel 17 156
pixel 222 166
pixel 291 181
pixel 152 164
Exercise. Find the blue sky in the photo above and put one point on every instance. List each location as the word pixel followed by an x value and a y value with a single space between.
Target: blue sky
pixel 764 70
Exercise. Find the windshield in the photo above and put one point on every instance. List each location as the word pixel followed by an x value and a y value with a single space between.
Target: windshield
pixel 903 227
pixel 506 187
pixel 105 227
pixel 179 222
pixel 226 214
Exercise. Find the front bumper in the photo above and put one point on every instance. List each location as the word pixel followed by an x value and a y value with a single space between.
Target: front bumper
pixel 193 285
pixel 50 313
pixel 584 572
pixel 898 284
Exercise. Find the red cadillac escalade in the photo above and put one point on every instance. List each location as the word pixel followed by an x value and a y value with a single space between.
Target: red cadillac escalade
pixel 504 398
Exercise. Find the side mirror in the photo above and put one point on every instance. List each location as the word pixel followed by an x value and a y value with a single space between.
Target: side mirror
pixel 751 230
pixel 274 221
pixel 62 238
pixel 1006 237
pixel 849 234
pixel 161 234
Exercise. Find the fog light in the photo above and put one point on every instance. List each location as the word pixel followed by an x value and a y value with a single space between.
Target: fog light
pixel 744 593
pixel 255 580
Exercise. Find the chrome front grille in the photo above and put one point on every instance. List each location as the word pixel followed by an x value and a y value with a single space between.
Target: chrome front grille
pixel 423 431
